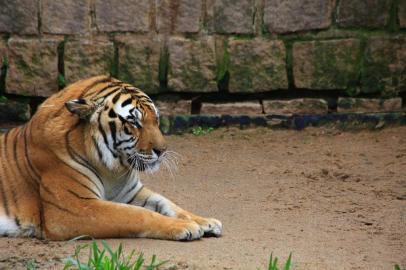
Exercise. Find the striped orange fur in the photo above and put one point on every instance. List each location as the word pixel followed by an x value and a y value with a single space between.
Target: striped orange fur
pixel 73 169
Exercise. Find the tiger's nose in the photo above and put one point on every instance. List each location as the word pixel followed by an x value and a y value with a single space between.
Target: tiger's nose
pixel 159 151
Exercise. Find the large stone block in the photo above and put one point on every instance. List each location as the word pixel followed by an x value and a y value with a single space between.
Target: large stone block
pixel 179 16
pixel 11 110
pixel 246 108
pixel 139 62
pixel 402 14
pixel 368 105
pixel 363 13
pixel 33 67
pixel 281 16
pixel 87 58
pixel 19 16
pixel 326 64
pixel 228 16
pixel 257 65
pixel 384 68
pixel 192 65
pixel 65 16
pixel 123 15
pixel 182 107
pixel 296 106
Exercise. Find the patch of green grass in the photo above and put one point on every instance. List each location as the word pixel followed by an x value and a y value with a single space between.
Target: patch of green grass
pixel 397 267
pixel 199 131
pixel 3 99
pixel 108 259
pixel 61 81
pixel 273 263
pixel 3 73
pixel 163 67
pixel 31 265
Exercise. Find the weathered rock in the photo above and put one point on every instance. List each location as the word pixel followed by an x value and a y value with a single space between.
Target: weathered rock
pixel 384 66
pixel 257 65
pixel 246 108
pixel 33 67
pixel 281 16
pixel 19 16
pixel 86 58
pixel 139 62
pixel 123 15
pixel 192 65
pixel 368 105
pixel 178 16
pixel 402 14
pixel 363 13
pixel 65 16
pixel 174 107
pixel 14 111
pixel 296 106
pixel 326 64
pixel 228 16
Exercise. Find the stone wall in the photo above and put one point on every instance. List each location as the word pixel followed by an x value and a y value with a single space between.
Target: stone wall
pixel 212 56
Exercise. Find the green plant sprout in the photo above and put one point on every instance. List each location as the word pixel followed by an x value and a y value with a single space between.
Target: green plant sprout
pixel 199 131
pixel 273 263
pixel 106 258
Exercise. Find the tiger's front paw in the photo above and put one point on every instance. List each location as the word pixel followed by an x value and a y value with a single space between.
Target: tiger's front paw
pixel 210 226
pixel 187 231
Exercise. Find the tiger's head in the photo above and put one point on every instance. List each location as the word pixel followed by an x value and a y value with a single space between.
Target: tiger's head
pixel 123 128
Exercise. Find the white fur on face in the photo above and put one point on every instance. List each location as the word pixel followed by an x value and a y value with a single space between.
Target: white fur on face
pixel 127 112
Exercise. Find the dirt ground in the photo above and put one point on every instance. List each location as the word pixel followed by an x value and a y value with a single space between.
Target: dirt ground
pixel 336 200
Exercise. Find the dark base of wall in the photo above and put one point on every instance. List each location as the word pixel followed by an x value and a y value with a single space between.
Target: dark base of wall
pixel 178 124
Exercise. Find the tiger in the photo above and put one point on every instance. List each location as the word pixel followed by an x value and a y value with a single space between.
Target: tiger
pixel 74 169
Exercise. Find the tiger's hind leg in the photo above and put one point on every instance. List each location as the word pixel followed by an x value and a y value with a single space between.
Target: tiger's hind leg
pixel 158 203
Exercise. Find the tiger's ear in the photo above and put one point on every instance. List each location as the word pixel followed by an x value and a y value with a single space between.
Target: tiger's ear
pixel 81 107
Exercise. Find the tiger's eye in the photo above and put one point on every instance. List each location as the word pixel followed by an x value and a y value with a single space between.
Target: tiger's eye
pixel 126 130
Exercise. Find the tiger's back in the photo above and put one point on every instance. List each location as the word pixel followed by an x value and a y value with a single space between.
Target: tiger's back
pixel 21 209
pixel 23 156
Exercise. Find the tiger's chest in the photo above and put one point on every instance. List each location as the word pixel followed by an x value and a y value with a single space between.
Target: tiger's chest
pixel 121 190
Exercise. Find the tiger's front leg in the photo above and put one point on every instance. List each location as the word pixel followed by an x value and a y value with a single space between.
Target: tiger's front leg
pixel 148 199
pixel 70 209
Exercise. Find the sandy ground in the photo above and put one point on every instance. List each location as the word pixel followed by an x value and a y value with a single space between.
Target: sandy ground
pixel 335 200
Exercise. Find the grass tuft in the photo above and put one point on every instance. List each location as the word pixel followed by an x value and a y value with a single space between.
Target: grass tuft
pixel 199 131
pixel 31 265
pixel 397 267
pixel 273 263
pixel 105 258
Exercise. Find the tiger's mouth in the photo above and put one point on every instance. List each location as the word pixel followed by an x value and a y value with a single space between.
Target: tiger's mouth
pixel 143 163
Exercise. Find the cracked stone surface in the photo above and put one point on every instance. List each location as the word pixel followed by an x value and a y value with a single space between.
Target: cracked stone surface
pixel 87 58
pixel 257 65
pixel 33 67
pixel 281 16
pixel 192 65
pixel 328 64
pixel 25 10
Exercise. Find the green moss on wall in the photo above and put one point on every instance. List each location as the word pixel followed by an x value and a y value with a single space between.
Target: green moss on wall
pixel 163 67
